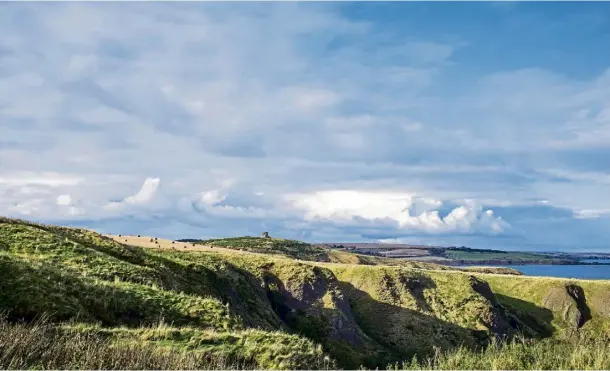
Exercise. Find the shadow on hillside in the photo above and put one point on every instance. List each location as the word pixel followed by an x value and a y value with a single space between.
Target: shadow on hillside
pixel 65 294
pixel 361 330
pixel 528 318
pixel 315 308
pixel 405 332
pixel 266 301
pixel 128 253
pixel 27 292
pixel 229 283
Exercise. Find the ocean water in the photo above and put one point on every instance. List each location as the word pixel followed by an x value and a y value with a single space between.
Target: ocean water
pixel 590 272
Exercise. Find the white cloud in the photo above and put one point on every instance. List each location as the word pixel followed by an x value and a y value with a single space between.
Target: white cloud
pixel 146 193
pixel 31 207
pixel 300 99
pixel 144 196
pixel 212 197
pixel 64 200
pixel 39 179
pixel 591 213
pixel 406 211
pixel 307 98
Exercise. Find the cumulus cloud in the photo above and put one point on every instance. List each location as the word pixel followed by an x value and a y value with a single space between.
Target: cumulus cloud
pixel 405 211
pixel 146 193
pixel 144 196
pixel 64 200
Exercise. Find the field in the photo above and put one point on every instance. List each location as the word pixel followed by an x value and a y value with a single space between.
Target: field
pixel 509 256
pixel 73 298
pixel 451 255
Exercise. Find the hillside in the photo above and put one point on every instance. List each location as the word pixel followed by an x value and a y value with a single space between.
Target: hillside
pixel 452 255
pixel 292 307
pixel 303 251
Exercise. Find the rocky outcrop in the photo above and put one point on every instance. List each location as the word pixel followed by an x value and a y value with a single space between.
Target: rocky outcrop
pixel 496 319
pixel 570 301
pixel 308 299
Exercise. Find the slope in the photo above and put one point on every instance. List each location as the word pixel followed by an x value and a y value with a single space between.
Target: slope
pixel 222 303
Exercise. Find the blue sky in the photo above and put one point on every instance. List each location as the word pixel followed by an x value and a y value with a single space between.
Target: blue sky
pixel 479 124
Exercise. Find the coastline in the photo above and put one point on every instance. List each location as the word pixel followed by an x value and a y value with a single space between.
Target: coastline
pixel 509 262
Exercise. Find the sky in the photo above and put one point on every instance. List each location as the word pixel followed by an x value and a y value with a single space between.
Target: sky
pixel 479 124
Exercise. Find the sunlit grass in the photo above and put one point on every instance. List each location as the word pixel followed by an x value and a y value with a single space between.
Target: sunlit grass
pixel 583 353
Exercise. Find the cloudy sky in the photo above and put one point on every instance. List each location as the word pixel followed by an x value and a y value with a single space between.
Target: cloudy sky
pixel 484 124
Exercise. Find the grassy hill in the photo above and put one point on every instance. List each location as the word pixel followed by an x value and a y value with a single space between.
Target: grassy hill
pixel 280 304
pixel 307 252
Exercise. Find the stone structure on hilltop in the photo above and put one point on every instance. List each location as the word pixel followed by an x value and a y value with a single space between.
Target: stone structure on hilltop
pixel 266 235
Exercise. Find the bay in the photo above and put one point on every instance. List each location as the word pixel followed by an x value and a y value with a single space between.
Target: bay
pixel 590 272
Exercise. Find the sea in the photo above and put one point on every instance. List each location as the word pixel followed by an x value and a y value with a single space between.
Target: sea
pixel 589 272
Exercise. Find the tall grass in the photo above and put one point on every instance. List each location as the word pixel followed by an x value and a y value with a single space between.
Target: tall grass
pixel 580 353
pixel 42 345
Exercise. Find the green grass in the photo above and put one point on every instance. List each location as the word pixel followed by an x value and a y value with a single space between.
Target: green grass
pixel 287 308
pixel 307 252
pixel 420 310
pixel 289 248
pixel 483 256
pixel 45 345
pixel 521 354
pixel 543 302
pixel 493 270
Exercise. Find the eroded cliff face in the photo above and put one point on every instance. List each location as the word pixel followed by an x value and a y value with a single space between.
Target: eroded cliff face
pixel 495 317
pixel 391 313
pixel 556 307
pixel 374 315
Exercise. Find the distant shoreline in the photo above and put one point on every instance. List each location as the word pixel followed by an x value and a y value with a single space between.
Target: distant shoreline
pixel 510 262
pixel 465 256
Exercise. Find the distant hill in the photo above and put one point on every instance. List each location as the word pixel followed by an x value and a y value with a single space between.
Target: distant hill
pixel 451 255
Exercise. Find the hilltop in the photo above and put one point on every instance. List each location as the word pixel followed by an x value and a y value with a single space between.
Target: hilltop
pixel 270 303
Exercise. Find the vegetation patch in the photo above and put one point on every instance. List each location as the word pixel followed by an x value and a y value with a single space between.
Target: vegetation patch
pixel 290 248
pixel 584 353
pixel 44 345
